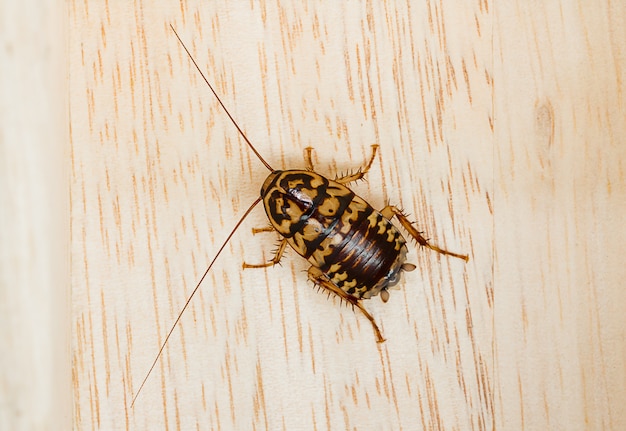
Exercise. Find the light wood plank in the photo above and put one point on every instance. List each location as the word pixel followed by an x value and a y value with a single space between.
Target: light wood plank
pixel 560 329
pixel 35 373
pixel 464 110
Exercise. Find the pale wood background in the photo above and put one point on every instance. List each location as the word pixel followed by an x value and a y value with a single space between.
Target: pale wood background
pixel 502 131
pixel 35 327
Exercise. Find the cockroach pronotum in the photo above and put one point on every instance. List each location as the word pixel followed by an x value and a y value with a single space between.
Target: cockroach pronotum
pixel 355 251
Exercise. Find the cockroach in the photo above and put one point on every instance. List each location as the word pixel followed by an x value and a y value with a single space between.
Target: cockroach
pixel 355 251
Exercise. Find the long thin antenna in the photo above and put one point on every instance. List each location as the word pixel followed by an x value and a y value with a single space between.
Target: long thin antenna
pixel 267 165
pixel 190 297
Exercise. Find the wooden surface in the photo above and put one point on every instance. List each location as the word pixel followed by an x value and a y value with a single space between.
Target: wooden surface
pixel 35 360
pixel 501 132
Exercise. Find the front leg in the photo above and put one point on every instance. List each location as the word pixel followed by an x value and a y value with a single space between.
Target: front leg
pixel 274 261
pixel 346 179
pixel 320 279
pixel 361 172
pixel 256 230
pixel 308 160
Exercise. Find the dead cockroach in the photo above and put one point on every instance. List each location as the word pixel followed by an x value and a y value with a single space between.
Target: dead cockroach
pixel 355 251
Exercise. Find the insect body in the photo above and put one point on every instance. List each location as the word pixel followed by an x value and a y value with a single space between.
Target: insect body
pixel 355 251
pixel 347 242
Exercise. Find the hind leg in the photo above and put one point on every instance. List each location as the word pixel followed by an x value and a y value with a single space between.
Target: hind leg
pixel 389 211
pixel 320 279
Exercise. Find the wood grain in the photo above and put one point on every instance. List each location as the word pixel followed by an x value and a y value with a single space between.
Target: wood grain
pixel 559 322
pixel 500 131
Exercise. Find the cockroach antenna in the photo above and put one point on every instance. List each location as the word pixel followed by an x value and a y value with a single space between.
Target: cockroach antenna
pixel 355 251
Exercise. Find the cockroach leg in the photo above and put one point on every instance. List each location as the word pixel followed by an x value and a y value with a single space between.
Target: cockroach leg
pixel 256 230
pixel 308 161
pixel 361 172
pixel 274 261
pixel 390 211
pixel 320 279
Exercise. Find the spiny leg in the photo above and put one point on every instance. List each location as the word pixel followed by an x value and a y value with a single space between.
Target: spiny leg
pixel 308 161
pixel 319 278
pixel 361 172
pixel 256 230
pixel 274 261
pixel 389 211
